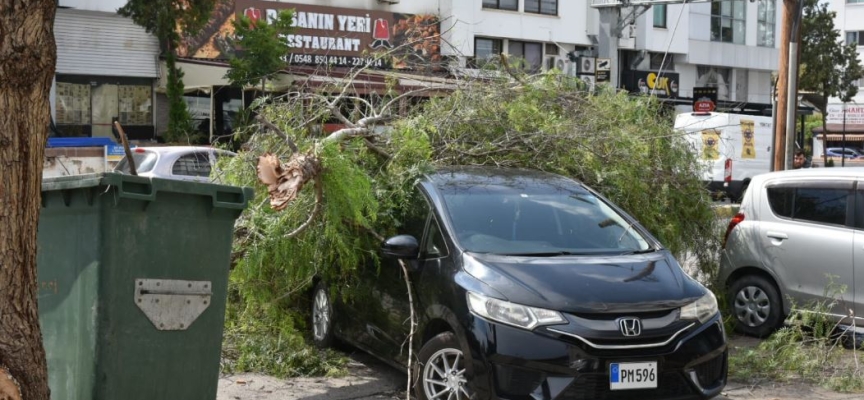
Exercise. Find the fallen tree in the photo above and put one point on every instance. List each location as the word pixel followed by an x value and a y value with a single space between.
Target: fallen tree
pixel 362 174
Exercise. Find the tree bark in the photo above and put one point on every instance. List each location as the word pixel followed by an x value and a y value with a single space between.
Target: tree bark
pixel 27 58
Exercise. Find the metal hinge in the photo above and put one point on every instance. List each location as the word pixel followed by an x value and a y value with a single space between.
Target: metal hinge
pixel 172 305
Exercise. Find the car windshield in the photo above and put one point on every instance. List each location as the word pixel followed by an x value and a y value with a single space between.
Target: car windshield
pixel 540 224
pixel 145 160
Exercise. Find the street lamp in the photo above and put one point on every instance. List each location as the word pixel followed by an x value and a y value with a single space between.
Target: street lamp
pixel 843 160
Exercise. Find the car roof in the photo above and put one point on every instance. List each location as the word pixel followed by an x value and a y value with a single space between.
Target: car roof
pixel 166 150
pixel 845 172
pixel 453 179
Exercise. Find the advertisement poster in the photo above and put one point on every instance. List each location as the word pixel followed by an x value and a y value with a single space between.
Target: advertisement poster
pixel 710 144
pixel 748 139
pixel 652 83
pixel 330 36
pixel 854 114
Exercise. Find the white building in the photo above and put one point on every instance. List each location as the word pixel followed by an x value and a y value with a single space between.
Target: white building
pixel 850 22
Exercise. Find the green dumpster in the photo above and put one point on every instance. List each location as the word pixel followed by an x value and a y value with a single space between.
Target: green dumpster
pixel 132 276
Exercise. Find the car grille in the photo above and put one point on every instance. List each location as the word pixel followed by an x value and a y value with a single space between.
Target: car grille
pixel 596 387
pixel 515 382
pixel 711 371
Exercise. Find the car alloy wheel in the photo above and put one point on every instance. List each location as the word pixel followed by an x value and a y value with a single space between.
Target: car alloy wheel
pixel 322 317
pixel 442 370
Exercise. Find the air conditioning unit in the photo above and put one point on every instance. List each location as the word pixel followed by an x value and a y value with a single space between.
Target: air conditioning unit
pixel 586 65
pixel 561 63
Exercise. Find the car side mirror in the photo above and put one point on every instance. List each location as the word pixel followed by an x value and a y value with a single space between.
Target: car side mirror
pixel 402 247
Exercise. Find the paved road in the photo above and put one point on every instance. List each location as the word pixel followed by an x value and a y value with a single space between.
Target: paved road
pixel 370 379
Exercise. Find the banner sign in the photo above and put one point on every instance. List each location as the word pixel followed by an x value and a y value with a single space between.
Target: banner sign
pixel 854 114
pixel 652 83
pixel 333 36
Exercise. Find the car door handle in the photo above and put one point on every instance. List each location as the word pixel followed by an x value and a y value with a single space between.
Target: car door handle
pixel 777 235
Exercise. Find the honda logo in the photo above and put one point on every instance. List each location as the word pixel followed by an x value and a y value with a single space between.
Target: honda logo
pixel 630 326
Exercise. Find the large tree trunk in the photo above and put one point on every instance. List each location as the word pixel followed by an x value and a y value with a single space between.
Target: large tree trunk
pixel 27 57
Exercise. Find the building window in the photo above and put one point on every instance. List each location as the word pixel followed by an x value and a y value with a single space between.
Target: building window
pixel 659 15
pixel 715 77
pixel 854 1
pixel 658 62
pixel 529 53
pixel 854 37
pixel 512 5
pixel 484 51
pixel 548 7
pixel 728 21
pixel 765 29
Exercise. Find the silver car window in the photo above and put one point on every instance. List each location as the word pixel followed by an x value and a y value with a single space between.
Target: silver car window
pixel 193 164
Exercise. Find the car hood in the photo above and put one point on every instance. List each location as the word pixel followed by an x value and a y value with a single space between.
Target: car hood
pixel 587 284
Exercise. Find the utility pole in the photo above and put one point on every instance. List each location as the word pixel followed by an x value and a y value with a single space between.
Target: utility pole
pixel 607 39
pixel 787 85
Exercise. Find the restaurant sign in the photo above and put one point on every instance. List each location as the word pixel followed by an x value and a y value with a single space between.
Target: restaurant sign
pixel 322 35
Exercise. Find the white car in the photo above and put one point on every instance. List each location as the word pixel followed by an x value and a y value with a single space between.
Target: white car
pixel 188 163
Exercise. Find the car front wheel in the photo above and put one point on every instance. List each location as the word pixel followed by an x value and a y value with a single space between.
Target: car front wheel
pixel 756 305
pixel 442 370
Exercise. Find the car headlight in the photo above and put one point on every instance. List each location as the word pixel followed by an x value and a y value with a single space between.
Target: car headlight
pixel 702 309
pixel 509 313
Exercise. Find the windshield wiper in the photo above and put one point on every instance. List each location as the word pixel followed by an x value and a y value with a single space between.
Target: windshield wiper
pixel 544 254
pixel 648 250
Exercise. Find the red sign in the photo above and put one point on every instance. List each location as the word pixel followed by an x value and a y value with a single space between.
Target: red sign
pixel 703 106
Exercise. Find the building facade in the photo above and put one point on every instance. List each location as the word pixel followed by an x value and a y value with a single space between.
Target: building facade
pixel 106 70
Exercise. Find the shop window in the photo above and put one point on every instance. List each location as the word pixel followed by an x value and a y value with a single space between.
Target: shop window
pixel 530 54
pixel 512 5
pixel 728 21
pixel 715 77
pixel 548 7
pixel 88 106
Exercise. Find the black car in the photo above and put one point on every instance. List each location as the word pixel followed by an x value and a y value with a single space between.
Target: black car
pixel 528 285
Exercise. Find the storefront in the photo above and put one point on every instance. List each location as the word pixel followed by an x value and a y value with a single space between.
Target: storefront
pixel 106 70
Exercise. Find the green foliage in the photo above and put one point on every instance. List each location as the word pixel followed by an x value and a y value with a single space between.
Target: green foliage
pixel 164 18
pixel 622 146
pixel 256 341
pixel 262 45
pixel 180 126
pixel 809 349
pixel 828 67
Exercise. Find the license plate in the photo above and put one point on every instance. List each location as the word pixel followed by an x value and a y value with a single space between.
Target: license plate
pixel 633 375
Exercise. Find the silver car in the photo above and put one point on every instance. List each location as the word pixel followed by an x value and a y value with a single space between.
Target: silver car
pixel 797 234
pixel 187 163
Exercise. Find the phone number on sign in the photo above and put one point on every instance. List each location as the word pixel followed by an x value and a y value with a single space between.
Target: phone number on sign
pixel 339 61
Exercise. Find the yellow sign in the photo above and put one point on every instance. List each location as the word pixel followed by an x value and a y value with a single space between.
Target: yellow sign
pixel 748 139
pixel 710 144
pixel 662 83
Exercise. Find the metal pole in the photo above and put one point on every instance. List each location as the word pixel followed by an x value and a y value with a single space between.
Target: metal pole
pixel 792 88
pixel 791 104
pixel 843 159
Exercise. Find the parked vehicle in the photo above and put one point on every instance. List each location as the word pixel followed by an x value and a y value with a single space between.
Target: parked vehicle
pixel 733 147
pixel 529 285
pixel 848 153
pixel 795 233
pixel 188 163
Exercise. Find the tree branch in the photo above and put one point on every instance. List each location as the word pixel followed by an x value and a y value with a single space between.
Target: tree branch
pixel 278 131
pixel 319 198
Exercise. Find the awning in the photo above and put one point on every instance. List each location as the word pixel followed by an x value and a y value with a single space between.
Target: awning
pixel 849 137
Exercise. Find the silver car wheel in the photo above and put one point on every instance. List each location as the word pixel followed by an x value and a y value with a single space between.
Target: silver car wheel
pixel 444 376
pixel 752 306
pixel 320 315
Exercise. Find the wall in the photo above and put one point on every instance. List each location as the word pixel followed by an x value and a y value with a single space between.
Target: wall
pixel 570 26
